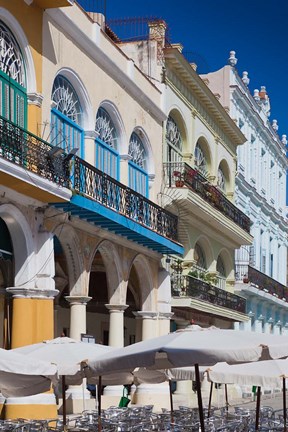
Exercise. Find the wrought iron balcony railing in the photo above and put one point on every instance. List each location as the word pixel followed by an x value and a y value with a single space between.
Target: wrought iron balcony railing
pixel 246 274
pixel 188 286
pixel 98 186
pixel 179 174
pixel 32 153
pixel 39 157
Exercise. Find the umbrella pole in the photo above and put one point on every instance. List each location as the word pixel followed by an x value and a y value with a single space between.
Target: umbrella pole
pixel 199 397
pixel 257 408
pixel 226 398
pixel 171 400
pixel 63 401
pixel 284 403
pixel 99 391
pixel 210 398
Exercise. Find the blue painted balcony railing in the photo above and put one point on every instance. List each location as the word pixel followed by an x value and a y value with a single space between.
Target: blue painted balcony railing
pixel 179 174
pixel 30 152
pixel 98 186
pixel 189 286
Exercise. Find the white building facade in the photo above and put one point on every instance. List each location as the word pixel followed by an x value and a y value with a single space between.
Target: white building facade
pixel 261 269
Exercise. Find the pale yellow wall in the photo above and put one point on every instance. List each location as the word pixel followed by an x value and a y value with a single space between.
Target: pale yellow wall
pixel 99 87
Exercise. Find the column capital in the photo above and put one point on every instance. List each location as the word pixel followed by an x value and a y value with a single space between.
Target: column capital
pixel 116 307
pixel 35 293
pixel 165 315
pixel 72 300
pixel 146 314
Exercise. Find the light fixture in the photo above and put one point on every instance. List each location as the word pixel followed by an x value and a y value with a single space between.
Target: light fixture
pixel 71 154
pixel 55 151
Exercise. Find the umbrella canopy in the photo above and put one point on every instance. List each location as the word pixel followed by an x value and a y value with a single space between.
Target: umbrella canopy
pixel 186 373
pixel 268 373
pixel 66 353
pixel 191 346
pixel 22 376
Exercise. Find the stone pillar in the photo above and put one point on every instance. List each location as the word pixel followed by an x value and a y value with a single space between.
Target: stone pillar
pixel 116 339
pixel 248 324
pixel 76 395
pixel 164 322
pixel 116 324
pixel 148 324
pixel 259 324
pixel 183 390
pixel 32 322
pixel 151 394
pixel 77 315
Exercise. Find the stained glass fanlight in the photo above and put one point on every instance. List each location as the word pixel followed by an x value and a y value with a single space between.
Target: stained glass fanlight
pixel 221 180
pixel 137 151
pixel 105 128
pixel 66 100
pixel 11 60
pixel 173 135
pixel 200 160
pixel 199 257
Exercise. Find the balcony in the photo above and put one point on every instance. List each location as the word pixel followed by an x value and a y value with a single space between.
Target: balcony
pixel 249 275
pixel 36 170
pixel 180 174
pixel 196 289
pixel 33 167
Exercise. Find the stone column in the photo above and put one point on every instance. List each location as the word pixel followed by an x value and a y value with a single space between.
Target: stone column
pixel 164 322
pixel 77 315
pixel 116 324
pixel 151 394
pixel 116 339
pixel 259 324
pixel 148 324
pixel 32 322
pixel 76 395
pixel 183 390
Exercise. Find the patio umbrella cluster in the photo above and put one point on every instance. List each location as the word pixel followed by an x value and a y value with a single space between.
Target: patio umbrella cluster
pixel 193 349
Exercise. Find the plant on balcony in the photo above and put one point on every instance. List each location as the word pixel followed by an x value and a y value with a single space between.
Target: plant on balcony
pixel 179 180
pixel 193 273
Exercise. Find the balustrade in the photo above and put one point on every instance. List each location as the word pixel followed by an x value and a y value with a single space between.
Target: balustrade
pixel 179 174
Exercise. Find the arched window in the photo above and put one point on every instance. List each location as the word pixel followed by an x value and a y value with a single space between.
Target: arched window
pixel 220 267
pixel 66 116
pixel 200 160
pixel 173 141
pixel 221 179
pixel 107 157
pixel 13 97
pixel 200 258
pixel 138 176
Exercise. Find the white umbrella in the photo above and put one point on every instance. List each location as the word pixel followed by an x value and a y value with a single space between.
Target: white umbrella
pixel 192 347
pixel 67 354
pixel 22 376
pixel 268 373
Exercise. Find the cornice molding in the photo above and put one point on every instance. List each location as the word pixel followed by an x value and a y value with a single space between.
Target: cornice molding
pixel 106 62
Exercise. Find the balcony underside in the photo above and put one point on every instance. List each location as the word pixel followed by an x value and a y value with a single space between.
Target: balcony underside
pixel 106 218
pixel 190 304
pixel 30 184
pixel 207 218
pixel 46 4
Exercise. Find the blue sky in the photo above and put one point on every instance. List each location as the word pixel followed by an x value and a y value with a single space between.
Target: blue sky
pixel 210 29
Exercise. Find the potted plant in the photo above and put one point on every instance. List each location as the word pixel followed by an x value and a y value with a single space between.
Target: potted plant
pixel 179 181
